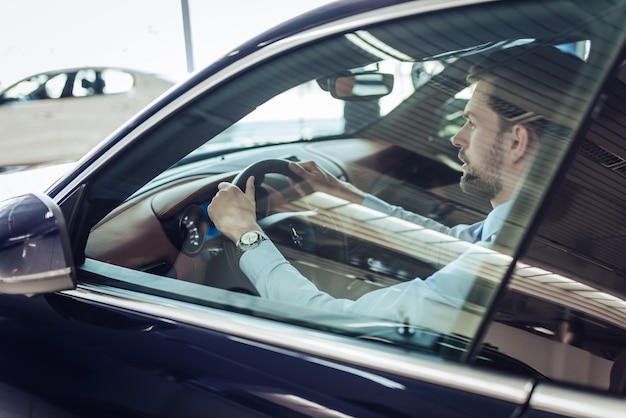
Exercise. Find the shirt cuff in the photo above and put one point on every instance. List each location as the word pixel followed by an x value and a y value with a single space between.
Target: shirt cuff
pixel 372 202
pixel 263 258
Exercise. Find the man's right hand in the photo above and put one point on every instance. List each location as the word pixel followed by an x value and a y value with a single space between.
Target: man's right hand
pixel 322 181
pixel 233 211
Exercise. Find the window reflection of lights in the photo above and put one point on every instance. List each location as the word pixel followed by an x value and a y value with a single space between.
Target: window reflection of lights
pixel 549 278
pixel 620 304
pixel 433 68
pixel 581 49
pixel 572 286
pixel 430 236
pixel 543 330
pixel 372 45
pixel 359 213
pixel 450 162
pixel 605 296
pixel 568 292
pixel 429 245
pixel 466 93
pixel 556 278
pixel 530 271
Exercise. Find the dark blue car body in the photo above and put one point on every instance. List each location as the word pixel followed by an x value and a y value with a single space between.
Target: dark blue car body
pixel 99 350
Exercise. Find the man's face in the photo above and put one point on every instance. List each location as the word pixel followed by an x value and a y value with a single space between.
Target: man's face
pixel 480 143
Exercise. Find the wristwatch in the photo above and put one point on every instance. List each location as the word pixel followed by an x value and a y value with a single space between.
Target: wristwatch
pixel 250 240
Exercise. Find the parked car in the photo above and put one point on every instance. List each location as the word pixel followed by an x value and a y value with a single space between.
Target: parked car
pixel 122 297
pixel 36 178
pixel 60 115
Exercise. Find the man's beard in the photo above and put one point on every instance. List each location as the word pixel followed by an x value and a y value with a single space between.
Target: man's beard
pixel 486 183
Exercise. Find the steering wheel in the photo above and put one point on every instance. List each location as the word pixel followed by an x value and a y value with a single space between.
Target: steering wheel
pixel 258 170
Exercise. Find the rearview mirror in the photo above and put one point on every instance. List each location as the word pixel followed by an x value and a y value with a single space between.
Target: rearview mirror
pixel 35 254
pixel 358 86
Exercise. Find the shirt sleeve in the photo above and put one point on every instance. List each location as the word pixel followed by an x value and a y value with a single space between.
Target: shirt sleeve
pixel 462 231
pixel 411 302
pixel 277 279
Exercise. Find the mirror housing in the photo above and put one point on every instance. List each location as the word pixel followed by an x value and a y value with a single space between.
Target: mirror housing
pixel 364 86
pixel 35 252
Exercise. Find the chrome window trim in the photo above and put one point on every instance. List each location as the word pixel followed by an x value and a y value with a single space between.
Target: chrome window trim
pixel 318 344
pixel 576 403
pixel 264 52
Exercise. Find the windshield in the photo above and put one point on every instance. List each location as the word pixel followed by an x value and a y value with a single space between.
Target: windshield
pixel 308 111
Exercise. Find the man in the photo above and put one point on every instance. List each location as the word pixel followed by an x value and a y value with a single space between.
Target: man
pixel 513 104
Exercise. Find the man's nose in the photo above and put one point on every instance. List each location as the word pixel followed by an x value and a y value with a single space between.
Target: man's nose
pixel 458 140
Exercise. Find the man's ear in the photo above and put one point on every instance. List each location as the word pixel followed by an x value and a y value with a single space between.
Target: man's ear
pixel 520 147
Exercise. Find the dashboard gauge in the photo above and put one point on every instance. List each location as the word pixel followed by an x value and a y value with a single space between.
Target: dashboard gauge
pixel 193 227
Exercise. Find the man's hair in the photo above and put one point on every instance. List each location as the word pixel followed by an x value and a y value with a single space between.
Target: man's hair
pixel 541 87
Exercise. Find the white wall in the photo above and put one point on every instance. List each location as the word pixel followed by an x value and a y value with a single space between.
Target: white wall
pixel 39 35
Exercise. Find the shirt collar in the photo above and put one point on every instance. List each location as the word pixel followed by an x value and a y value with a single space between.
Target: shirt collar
pixel 495 219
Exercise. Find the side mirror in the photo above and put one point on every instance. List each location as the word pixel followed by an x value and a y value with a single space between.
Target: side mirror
pixel 358 86
pixel 35 253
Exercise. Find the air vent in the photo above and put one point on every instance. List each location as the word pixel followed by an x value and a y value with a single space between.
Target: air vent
pixel 600 155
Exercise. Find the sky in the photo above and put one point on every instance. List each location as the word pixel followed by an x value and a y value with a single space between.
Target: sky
pixel 41 35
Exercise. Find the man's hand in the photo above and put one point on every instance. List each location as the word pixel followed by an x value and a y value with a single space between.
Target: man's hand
pixel 232 211
pixel 323 181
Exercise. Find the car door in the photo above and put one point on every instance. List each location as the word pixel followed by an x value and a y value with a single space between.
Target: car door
pixel 162 322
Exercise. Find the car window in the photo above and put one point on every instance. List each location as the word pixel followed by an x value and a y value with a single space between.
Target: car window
pixel 456 172
pixel 570 280
pixel 308 111
pixel 117 81
pixel 42 86
pixel 55 86
pixel 90 82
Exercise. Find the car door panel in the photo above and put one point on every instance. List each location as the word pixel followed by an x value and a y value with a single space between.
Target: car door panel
pixel 88 357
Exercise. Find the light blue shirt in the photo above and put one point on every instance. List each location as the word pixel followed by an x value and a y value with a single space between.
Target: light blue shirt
pixel 276 279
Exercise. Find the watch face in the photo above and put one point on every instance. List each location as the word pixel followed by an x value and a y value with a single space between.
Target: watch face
pixel 249 238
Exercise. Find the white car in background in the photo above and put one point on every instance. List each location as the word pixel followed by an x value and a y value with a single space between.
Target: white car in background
pixel 31 179
pixel 60 115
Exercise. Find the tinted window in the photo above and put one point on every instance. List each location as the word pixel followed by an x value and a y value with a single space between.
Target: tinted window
pixel 566 304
